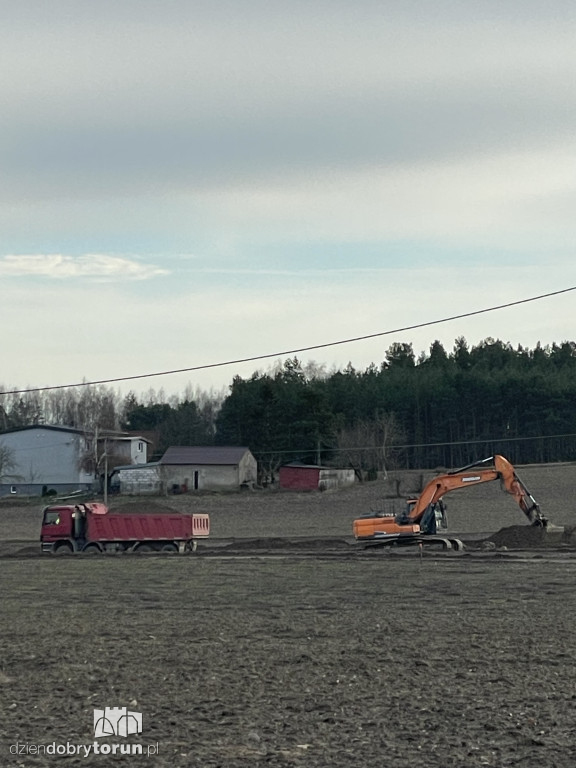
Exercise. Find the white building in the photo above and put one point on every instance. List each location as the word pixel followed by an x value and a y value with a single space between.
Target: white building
pixel 184 469
pixel 63 459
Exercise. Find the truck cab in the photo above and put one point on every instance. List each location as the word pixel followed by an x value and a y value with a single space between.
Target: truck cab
pixel 57 533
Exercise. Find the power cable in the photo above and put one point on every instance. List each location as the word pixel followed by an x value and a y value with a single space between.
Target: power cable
pixel 291 351
pixel 401 446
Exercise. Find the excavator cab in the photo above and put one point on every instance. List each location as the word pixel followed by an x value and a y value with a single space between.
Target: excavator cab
pixel 432 520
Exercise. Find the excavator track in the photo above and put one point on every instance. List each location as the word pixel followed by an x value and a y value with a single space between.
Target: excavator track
pixel 404 540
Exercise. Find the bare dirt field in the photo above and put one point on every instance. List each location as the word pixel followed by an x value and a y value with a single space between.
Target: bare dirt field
pixel 301 655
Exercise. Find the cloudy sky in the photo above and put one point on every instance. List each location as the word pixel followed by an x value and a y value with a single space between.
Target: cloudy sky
pixel 185 182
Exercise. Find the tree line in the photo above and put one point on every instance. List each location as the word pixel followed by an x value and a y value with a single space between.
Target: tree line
pixel 440 409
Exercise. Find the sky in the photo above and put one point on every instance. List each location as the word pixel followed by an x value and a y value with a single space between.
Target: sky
pixel 188 182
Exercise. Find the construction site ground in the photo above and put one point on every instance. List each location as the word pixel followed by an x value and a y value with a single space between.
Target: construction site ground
pixel 281 643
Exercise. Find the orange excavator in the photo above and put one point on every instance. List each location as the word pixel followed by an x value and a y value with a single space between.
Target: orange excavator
pixel 423 517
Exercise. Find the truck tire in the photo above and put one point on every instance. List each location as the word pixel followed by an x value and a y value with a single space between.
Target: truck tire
pixel 92 549
pixel 169 547
pixel 62 548
pixel 145 548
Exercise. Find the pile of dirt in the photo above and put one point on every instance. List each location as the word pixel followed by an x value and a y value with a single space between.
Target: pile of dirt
pixel 532 537
pixel 283 543
pixel 143 507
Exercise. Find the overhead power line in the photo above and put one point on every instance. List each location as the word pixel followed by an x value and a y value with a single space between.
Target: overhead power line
pixel 284 353
pixel 405 446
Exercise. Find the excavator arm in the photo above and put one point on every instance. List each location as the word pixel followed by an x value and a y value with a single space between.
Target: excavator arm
pixel 462 478
pixel 512 484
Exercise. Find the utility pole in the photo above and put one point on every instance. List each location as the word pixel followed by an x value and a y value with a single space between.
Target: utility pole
pixel 105 471
pixel 96 459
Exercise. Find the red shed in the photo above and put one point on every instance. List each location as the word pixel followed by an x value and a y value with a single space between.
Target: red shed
pixel 300 477
pixel 311 477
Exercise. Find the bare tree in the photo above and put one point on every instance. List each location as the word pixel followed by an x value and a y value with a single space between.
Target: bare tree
pixel 3 417
pixel 268 466
pixel 99 457
pixel 7 463
pixel 97 408
pixel 367 446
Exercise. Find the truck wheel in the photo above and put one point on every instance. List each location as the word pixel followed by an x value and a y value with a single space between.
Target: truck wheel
pixel 92 549
pixel 64 548
pixel 170 547
pixel 145 548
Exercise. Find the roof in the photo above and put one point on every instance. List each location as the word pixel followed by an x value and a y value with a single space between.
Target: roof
pixel 204 454
pixel 124 438
pixel 103 433
pixel 54 427
pixel 301 465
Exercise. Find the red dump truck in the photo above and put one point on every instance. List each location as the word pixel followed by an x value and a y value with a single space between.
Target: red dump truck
pixel 92 528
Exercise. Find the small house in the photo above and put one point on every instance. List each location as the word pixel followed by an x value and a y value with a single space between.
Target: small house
pixel 187 468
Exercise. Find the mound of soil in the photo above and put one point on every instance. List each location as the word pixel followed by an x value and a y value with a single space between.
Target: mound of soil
pixel 145 507
pixel 271 543
pixel 530 537
pixel 282 543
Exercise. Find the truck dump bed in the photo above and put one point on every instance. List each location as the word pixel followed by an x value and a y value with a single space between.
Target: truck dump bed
pixel 120 527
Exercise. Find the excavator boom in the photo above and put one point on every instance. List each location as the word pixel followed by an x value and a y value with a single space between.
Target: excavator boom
pixel 461 478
